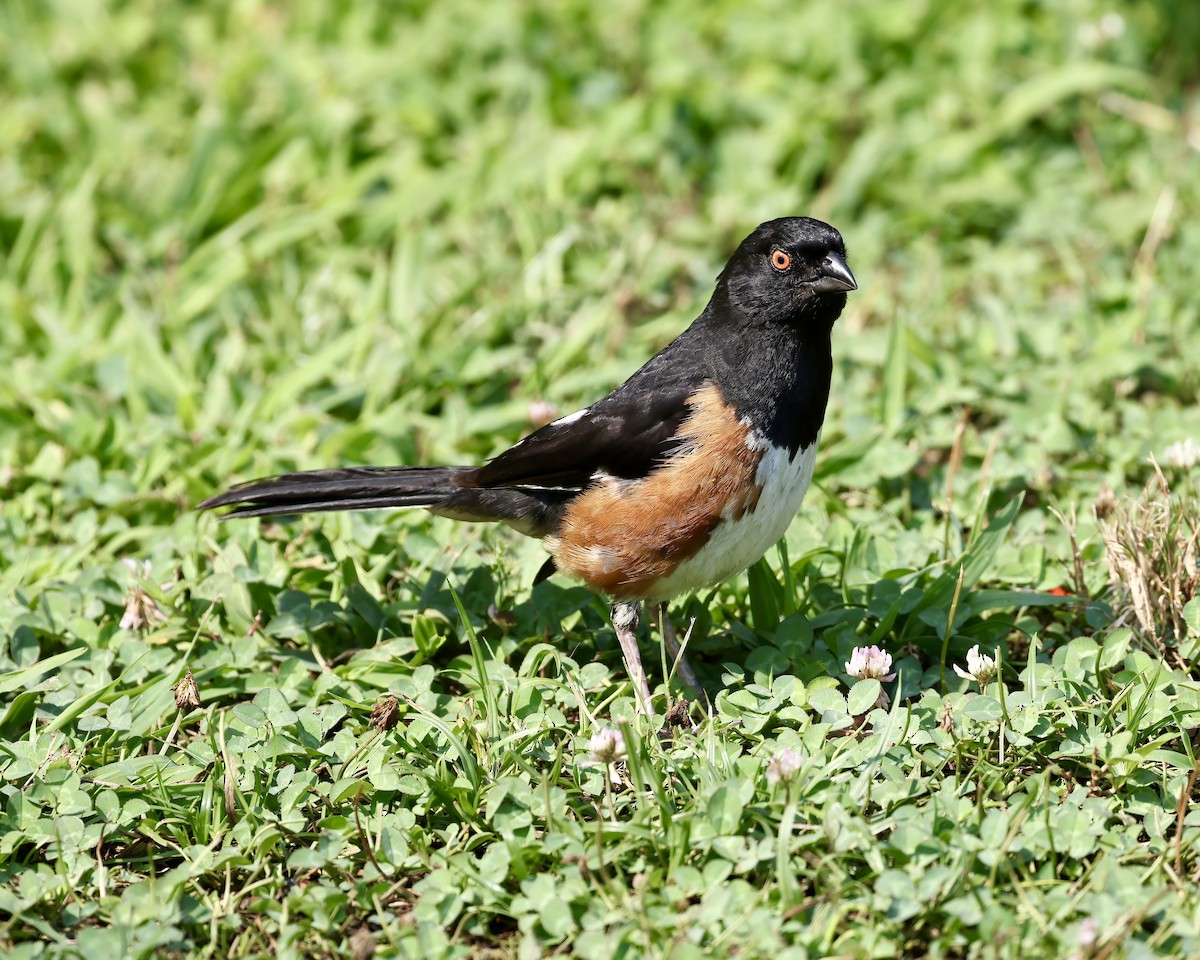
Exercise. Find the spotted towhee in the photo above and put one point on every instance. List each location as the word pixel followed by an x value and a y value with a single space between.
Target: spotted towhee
pixel 681 477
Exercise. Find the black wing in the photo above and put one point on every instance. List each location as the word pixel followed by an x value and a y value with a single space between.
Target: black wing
pixel 626 434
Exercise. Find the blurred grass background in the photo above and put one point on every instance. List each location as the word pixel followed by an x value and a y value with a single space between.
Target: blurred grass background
pixel 242 237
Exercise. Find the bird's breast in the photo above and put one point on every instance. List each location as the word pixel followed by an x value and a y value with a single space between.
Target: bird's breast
pixel 710 510
pixel 740 540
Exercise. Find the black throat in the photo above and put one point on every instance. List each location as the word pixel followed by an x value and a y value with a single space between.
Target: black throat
pixel 775 372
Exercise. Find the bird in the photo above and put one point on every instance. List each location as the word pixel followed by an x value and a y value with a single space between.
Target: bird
pixel 682 477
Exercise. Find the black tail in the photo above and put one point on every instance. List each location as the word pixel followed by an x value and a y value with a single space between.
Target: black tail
pixel 353 488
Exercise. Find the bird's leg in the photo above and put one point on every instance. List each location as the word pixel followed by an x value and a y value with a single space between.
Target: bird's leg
pixel 679 657
pixel 625 622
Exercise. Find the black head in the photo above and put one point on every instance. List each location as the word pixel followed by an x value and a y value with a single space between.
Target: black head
pixel 788 270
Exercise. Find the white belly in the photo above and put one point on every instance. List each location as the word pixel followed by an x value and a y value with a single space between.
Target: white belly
pixel 736 544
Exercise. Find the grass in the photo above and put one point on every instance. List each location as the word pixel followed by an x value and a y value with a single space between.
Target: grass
pixel 246 237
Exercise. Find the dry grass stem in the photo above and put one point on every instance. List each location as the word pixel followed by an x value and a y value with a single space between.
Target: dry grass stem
pixel 1151 542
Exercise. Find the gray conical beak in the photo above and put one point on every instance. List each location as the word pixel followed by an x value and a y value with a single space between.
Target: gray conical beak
pixel 835 276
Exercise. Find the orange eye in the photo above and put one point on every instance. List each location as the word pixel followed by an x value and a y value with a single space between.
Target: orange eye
pixel 780 260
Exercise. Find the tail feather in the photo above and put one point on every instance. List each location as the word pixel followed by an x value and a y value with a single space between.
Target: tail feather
pixel 354 488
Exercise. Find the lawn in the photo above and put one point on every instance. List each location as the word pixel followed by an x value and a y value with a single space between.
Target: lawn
pixel 239 237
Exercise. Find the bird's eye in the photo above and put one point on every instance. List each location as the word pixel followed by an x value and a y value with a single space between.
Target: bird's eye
pixel 780 260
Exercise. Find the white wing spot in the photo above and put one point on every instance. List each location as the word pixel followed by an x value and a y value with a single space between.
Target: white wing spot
pixel 754 439
pixel 570 418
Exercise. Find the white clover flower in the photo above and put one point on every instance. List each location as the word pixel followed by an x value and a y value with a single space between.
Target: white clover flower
pixel 1182 453
pixel 783 766
pixel 870 662
pixel 1088 934
pixel 1097 33
pixel 607 746
pixel 541 412
pixel 141 612
pixel 980 667
pixel 139 568
pixel 1112 25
